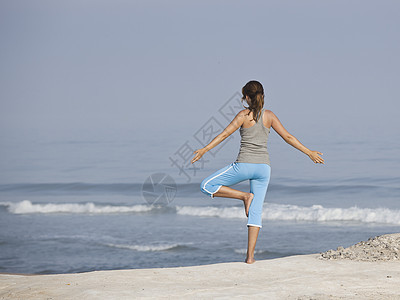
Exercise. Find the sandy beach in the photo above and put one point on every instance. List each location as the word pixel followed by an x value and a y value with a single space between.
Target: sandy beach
pixel 330 275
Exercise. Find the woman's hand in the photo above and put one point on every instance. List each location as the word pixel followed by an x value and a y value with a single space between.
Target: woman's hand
pixel 199 154
pixel 315 157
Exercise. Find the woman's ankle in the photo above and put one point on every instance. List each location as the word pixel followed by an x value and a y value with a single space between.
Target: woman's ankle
pixel 250 260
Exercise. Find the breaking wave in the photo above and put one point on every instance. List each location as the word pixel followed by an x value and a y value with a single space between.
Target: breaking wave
pixel 27 207
pixel 271 211
pixel 147 248
pixel 286 212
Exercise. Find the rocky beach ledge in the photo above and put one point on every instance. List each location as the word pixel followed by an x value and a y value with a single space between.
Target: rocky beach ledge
pixel 367 270
pixel 380 248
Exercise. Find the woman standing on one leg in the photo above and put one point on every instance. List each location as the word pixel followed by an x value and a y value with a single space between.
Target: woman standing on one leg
pixel 252 162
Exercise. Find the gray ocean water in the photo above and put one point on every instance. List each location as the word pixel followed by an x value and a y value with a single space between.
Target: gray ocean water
pixel 80 204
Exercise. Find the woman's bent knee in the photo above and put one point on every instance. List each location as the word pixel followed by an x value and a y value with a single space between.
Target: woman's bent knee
pixel 204 189
pixel 208 188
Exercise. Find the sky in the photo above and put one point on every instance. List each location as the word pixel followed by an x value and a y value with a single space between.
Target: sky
pixel 159 68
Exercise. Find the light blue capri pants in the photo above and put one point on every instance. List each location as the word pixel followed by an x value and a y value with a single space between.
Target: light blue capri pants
pixel 258 174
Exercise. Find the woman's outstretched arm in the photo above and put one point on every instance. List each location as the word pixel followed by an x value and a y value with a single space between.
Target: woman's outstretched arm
pixel 291 140
pixel 231 128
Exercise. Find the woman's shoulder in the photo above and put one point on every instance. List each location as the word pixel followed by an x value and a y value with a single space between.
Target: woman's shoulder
pixel 268 117
pixel 243 113
pixel 268 113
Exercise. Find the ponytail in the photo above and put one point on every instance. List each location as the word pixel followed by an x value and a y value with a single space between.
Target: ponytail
pixel 255 91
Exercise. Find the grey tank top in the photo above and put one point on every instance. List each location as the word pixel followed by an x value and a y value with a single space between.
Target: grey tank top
pixel 253 144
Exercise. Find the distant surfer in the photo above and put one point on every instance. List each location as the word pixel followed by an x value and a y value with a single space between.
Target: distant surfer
pixel 252 162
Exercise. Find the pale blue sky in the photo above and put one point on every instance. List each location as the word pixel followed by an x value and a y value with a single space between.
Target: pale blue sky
pixel 90 67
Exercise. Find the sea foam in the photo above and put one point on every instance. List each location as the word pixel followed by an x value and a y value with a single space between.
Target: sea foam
pixel 286 212
pixel 271 211
pixel 27 207
pixel 145 248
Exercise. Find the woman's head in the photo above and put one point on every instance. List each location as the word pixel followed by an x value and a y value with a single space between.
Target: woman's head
pixel 253 93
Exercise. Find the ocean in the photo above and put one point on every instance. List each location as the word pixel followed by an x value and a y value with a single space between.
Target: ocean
pixel 81 204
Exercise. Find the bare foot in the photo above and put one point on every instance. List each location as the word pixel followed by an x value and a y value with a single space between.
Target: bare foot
pixel 250 261
pixel 247 202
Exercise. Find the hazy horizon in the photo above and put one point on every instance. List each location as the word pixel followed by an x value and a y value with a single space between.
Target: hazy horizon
pixel 151 66
pixel 152 73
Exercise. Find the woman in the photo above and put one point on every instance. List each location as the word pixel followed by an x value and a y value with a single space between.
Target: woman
pixel 253 160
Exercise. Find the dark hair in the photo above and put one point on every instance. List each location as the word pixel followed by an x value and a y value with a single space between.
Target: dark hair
pixel 255 91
